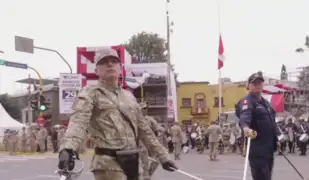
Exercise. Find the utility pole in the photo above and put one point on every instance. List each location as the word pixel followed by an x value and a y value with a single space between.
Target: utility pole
pixel 1 71
pixel 168 67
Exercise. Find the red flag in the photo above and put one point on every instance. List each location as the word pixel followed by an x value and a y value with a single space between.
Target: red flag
pixel 220 53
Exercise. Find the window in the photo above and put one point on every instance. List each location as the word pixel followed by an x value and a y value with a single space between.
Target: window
pixel 200 103
pixel 186 102
pixel 186 122
pixel 216 101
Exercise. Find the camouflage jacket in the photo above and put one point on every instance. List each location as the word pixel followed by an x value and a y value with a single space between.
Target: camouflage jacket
pixel 154 125
pixel 102 110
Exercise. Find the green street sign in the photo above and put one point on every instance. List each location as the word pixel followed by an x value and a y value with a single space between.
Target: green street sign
pixel 2 62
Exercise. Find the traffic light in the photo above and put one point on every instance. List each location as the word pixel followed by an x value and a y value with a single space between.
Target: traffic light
pixel 42 108
pixel 34 104
pixel 2 62
pixel 43 104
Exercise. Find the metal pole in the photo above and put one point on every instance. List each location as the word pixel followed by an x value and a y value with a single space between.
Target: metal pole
pixel 52 50
pixel 41 86
pixel 219 80
pixel 142 93
pixel 29 110
pixel 1 71
pixel 168 80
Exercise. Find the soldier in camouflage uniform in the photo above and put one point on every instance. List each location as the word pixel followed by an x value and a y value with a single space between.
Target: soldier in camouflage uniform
pixel 41 137
pixel 214 131
pixel 149 166
pixel 159 131
pixel 60 135
pixel 13 141
pixel 115 121
pixel 177 140
pixel 31 140
pixel 23 141
pixel 6 140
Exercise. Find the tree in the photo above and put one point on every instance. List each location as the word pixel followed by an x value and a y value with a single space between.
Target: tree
pixel 284 74
pixel 147 47
pixel 11 109
pixel 303 78
pixel 307 42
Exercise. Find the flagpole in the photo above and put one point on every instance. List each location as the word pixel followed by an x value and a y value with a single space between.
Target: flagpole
pixel 219 70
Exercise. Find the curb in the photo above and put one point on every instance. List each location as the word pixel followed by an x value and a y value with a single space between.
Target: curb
pixel 28 153
pixel 42 154
pixel 87 154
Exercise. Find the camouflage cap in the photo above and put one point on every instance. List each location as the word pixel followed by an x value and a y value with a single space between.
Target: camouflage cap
pixel 104 53
pixel 143 105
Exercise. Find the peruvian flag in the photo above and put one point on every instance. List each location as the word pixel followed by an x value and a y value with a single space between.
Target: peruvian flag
pixel 276 100
pixel 220 53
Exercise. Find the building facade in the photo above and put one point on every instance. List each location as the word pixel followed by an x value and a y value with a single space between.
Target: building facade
pixel 198 102
pixel 154 93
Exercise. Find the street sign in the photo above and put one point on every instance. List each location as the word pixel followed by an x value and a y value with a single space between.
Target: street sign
pixel 2 62
pixel 23 44
pixel 16 65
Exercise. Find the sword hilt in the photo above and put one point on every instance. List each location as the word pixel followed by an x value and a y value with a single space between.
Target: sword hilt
pixel 253 134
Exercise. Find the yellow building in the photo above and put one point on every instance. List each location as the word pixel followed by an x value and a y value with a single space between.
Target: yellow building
pixel 198 102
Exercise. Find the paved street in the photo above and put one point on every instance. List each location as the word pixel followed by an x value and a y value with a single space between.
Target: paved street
pixel 229 167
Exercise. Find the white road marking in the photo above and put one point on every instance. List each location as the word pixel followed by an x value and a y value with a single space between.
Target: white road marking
pixel 27 178
pixel 23 158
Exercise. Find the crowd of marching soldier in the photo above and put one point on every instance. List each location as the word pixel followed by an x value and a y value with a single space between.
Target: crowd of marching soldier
pixel 31 139
pixel 228 137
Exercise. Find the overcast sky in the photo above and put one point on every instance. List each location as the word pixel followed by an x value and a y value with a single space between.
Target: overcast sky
pixel 257 35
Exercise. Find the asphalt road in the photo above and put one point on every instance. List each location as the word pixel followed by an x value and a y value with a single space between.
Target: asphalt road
pixel 229 167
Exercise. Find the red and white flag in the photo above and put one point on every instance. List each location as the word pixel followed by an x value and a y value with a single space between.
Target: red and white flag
pixel 220 53
pixel 276 100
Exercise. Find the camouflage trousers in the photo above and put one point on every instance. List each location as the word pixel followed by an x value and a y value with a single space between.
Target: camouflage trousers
pixel 23 146
pixel 112 175
pixel 109 175
pixel 200 144
pixel 41 145
pixel 145 163
pixel 153 167
pixel 177 150
pixel 13 148
pixel 6 146
pixel 213 149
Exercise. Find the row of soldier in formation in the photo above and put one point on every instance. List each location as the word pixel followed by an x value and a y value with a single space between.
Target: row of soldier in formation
pixel 229 137
pixel 212 137
pixel 29 140
pixel 293 134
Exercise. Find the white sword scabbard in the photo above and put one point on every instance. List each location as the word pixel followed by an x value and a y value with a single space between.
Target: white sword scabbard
pixel 247 159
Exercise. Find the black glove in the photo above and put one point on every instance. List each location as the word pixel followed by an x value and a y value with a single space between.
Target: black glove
pixel 67 159
pixel 169 166
pixel 156 133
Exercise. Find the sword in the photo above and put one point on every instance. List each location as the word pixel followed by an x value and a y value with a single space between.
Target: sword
pixel 246 159
pixel 300 175
pixel 253 135
pixel 180 171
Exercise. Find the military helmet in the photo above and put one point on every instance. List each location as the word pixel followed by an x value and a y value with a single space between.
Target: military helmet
pixel 143 105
